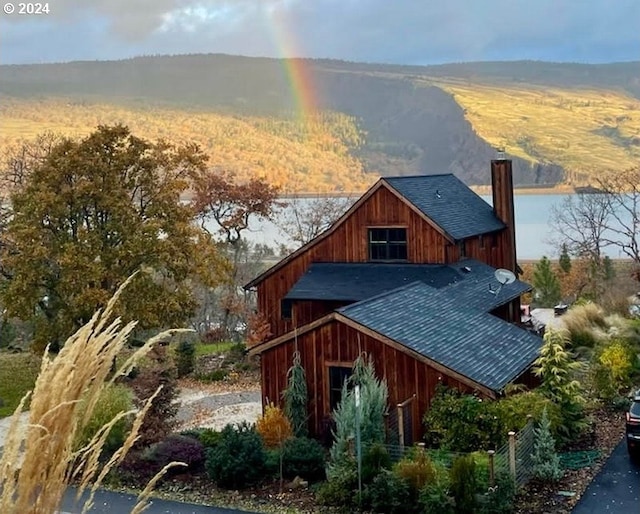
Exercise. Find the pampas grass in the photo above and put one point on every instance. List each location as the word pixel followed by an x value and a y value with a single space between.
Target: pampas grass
pixel 586 325
pixel 39 463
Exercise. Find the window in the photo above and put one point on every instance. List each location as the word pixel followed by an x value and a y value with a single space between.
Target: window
pixel 462 249
pixel 286 307
pixel 388 244
pixel 337 376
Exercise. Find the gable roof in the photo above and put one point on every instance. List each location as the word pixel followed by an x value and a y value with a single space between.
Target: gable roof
pixel 447 201
pixel 470 282
pixel 462 213
pixel 473 343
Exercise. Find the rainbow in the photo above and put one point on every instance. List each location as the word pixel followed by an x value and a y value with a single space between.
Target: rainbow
pixel 298 73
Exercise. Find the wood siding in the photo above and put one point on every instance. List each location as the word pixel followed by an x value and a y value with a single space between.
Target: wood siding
pixel 306 311
pixel 348 243
pixel 335 343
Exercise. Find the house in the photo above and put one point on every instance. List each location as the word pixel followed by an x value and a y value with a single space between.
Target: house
pixel 406 275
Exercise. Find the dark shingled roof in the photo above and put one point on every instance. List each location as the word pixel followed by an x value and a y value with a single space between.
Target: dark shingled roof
pixel 470 282
pixel 446 200
pixel 432 322
pixel 357 281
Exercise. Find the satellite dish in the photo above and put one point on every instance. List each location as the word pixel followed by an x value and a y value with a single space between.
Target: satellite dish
pixel 504 276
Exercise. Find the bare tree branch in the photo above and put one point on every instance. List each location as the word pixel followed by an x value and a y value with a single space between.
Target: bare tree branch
pixel 589 223
pixel 302 219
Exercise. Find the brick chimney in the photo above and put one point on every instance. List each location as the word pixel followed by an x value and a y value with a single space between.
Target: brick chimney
pixel 502 189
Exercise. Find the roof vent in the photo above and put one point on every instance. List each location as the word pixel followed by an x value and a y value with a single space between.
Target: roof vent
pixel 466 269
pixel 438 195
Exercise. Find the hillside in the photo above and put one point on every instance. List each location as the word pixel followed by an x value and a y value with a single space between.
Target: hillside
pixel 559 122
pixel 295 156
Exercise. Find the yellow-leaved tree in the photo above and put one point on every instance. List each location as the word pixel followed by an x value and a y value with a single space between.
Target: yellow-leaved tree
pixel 90 212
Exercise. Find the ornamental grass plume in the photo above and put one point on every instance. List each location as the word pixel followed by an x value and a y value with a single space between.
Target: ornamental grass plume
pixel 40 461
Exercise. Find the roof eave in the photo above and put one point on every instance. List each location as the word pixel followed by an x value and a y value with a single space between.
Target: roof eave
pixel 490 392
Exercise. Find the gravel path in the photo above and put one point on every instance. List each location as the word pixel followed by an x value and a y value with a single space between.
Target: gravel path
pixel 198 408
pixel 202 409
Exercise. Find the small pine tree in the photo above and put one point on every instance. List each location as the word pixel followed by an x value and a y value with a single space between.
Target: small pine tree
pixel 556 367
pixel 546 463
pixel 608 270
pixel 464 484
pixel 546 284
pixel 373 407
pixel 295 397
pixel 565 260
pixel 185 358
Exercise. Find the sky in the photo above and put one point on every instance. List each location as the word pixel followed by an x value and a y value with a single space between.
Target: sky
pixel 390 31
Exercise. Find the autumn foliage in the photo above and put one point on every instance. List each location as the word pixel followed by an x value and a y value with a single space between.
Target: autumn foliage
pixel 274 427
pixel 90 212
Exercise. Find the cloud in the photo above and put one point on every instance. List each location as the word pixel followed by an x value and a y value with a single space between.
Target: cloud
pixel 401 31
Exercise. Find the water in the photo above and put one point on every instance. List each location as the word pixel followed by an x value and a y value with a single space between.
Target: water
pixel 533 232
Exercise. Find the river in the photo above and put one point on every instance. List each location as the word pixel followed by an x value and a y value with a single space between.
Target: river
pixel 533 232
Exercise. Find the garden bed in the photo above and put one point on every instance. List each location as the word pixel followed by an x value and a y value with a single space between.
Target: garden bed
pixel 535 498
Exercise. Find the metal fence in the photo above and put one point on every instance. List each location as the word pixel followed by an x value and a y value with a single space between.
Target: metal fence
pixel 400 424
pixel 516 455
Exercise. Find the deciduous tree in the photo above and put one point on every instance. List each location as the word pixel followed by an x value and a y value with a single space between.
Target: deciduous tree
pixel 231 205
pixel 89 214
pixel 610 218
pixel 302 219
pixel 580 222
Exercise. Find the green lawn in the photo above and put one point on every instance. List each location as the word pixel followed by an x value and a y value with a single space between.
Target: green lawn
pixel 212 348
pixel 18 372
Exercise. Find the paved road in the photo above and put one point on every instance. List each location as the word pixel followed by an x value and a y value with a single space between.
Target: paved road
pixel 616 489
pixel 107 502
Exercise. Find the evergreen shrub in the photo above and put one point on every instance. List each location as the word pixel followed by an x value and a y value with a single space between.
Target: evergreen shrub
pixel 210 437
pixel 375 458
pixel 416 470
pixel 390 494
pixel 185 358
pixel 295 397
pixel 461 422
pixel 341 489
pixel 500 498
pixel 437 498
pixel 463 484
pixel 305 458
pixel 238 460
pixel 545 460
